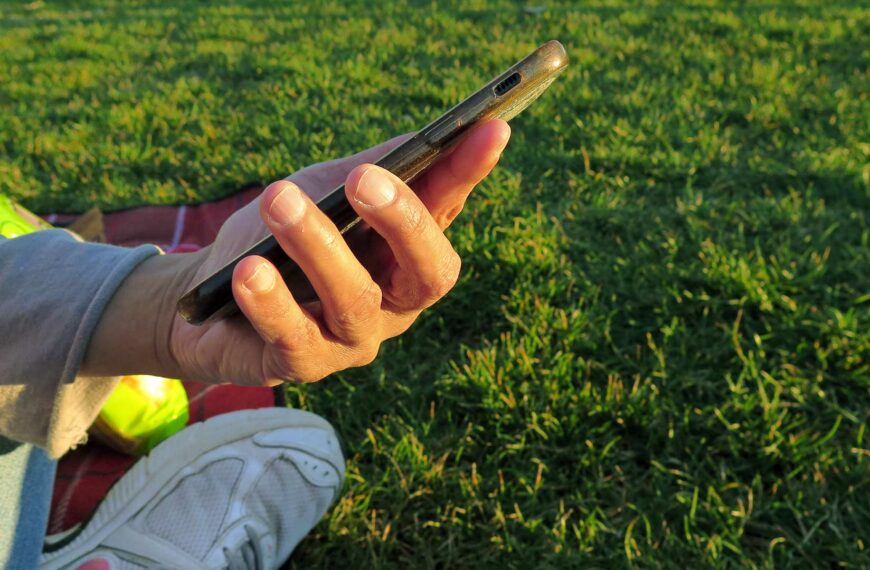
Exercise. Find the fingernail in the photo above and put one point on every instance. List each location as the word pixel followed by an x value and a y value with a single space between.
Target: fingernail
pixel 287 207
pixel 260 280
pixel 374 189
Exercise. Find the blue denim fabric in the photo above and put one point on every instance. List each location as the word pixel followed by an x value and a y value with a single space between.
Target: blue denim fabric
pixel 26 481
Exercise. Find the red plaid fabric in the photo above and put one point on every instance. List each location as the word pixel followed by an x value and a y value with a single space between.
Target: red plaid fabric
pixel 176 229
pixel 85 475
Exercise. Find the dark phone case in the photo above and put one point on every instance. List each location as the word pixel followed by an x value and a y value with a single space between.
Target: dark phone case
pixel 502 98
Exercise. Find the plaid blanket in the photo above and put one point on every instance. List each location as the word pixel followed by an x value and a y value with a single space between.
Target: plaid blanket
pixel 86 474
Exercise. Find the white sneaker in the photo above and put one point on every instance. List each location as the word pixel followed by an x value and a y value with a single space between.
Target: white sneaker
pixel 239 490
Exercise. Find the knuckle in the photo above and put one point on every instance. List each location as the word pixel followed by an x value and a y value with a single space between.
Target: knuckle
pixel 414 222
pixel 366 355
pixel 366 305
pixel 446 278
pixel 452 269
pixel 288 346
pixel 285 345
pixel 291 346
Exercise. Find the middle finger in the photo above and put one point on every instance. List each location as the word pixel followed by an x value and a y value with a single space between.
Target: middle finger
pixel 351 300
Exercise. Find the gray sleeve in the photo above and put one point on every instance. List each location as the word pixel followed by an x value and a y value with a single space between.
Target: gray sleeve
pixel 53 291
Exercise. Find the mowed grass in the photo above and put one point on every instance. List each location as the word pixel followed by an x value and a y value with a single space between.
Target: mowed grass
pixel 657 355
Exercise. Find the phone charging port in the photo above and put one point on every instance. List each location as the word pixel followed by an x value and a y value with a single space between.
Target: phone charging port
pixel 507 84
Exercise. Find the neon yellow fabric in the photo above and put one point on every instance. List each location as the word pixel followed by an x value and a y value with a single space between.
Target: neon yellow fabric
pixel 141 412
pixel 11 223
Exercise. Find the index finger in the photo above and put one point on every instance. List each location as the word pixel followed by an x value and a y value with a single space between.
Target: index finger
pixel 446 185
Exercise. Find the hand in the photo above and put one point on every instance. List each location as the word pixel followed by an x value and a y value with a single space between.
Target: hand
pixel 408 265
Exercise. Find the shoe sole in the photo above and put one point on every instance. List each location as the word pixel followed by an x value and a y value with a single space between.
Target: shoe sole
pixel 153 472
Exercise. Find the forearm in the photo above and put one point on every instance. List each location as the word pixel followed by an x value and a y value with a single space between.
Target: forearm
pixel 53 292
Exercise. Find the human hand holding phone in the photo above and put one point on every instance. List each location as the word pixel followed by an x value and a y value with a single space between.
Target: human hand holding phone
pixel 408 264
pixel 503 97
pixel 352 287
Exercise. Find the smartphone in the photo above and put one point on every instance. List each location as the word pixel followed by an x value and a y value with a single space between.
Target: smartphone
pixel 502 98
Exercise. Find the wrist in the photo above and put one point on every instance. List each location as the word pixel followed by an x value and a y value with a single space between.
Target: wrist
pixel 134 332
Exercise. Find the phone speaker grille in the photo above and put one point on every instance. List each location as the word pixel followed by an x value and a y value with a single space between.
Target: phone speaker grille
pixel 507 84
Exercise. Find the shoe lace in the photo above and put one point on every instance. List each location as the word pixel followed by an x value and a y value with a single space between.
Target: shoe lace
pixel 248 555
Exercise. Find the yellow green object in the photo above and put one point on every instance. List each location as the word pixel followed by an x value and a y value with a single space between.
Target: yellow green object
pixel 16 221
pixel 140 413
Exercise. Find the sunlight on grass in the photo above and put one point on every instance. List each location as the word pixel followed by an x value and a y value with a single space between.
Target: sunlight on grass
pixel 657 353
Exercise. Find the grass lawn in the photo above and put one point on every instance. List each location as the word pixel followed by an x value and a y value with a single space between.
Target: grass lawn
pixel 657 355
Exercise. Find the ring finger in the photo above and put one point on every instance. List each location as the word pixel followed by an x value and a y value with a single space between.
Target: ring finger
pixel 427 264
